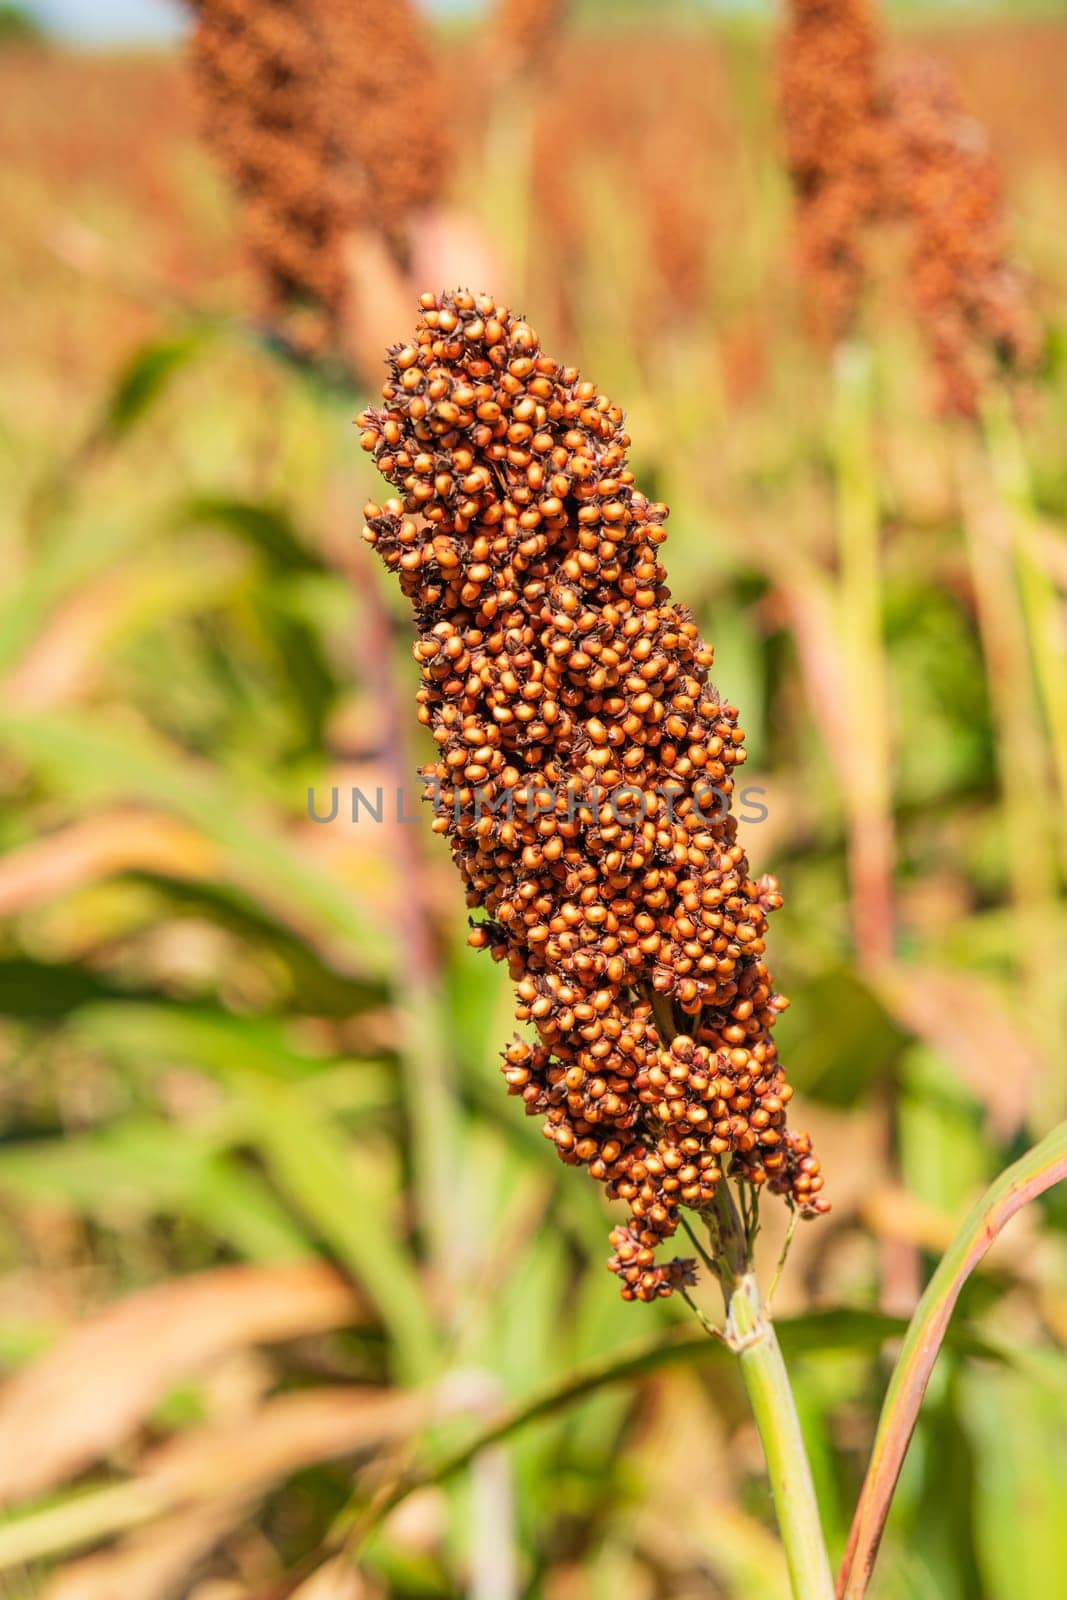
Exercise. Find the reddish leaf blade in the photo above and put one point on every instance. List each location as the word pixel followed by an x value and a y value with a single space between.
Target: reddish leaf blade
pixel 1041 1168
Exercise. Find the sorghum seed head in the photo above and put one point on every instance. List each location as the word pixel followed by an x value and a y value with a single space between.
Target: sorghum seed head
pixel 828 86
pixel 870 140
pixel 523 33
pixel 971 301
pixel 580 743
pixel 327 116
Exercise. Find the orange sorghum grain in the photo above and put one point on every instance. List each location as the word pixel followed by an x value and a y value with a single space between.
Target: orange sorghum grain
pixel 253 63
pixel 871 142
pixel 290 89
pixel 524 32
pixel 388 104
pixel 942 181
pixel 828 86
pixel 584 775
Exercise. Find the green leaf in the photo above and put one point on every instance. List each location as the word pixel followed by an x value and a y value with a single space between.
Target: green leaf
pixel 817 1331
pixel 142 1168
pixel 47 990
pixel 235 1203
pixel 268 529
pixel 341 1199
pixel 143 380
pixel 326 1179
pixel 96 762
pixel 302 664
pixel 1038 1170
pixel 323 991
pixel 1021 1442
pixel 219 1041
pixel 271 532
pixel 834 1024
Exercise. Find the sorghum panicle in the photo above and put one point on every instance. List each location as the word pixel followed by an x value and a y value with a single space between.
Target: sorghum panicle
pixel 834 145
pixel 872 140
pixel 289 87
pixel 942 180
pixel 584 773
pixel 389 103
pixel 524 31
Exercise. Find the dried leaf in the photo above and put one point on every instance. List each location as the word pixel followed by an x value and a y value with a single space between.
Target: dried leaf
pixel 96 762
pixel 64 660
pixel 154 1563
pixel 79 1400
pixel 959 1014
pixel 217 1466
pixel 337 1580
pixel 285 1434
pixel 101 847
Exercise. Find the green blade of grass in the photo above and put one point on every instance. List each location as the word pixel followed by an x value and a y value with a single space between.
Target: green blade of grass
pixel 318 1172
pixel 92 761
pixel 142 1167
pixel 144 379
pixel 1041 1168
pixel 817 1331
pixel 312 1162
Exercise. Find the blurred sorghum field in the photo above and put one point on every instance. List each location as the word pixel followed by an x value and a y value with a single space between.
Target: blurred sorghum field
pixel 683 171
pixel 270 1229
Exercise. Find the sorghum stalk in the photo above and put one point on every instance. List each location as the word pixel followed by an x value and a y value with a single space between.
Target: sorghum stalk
pixel 253 63
pixel 521 46
pixel 523 33
pixel 584 780
pixel 872 139
pixel 749 1332
pixel 835 145
pixel 868 780
pixel 1017 732
pixel 972 303
pixel 1040 598
pixel 974 307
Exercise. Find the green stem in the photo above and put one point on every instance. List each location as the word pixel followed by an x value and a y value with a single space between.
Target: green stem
pixel 428 1070
pixel 1040 598
pixel 774 1409
pixel 868 781
pixel 750 1334
pixel 1028 810
pixel 867 763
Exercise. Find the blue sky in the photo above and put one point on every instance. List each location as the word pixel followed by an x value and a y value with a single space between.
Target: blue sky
pixel 132 21
pixel 148 21
pixel 106 20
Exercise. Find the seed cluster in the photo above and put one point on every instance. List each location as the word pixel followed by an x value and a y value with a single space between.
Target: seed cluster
pixel 524 31
pixel 872 139
pixel 834 144
pixel 583 778
pixel 287 87
pixel 971 301
pixel 388 102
